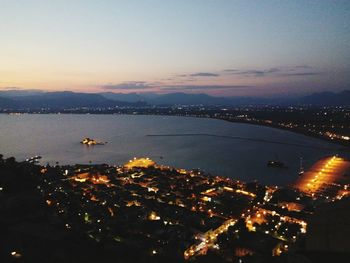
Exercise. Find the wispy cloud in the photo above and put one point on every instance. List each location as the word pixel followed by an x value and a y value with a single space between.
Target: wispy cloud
pixel 198 75
pixel 204 74
pixel 303 74
pixel 203 87
pixel 302 67
pixel 301 70
pixel 254 72
pixel 19 89
pixel 230 70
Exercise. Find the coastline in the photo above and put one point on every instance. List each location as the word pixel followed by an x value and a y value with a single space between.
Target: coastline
pixel 308 134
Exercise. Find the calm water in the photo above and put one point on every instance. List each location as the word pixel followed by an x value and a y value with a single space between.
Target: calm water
pixel 56 138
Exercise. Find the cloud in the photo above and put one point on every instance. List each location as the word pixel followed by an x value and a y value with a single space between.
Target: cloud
pixel 295 71
pixel 254 72
pixel 192 76
pixel 130 85
pixel 230 70
pixel 303 74
pixel 20 89
pixel 204 74
pixel 302 67
pixel 203 87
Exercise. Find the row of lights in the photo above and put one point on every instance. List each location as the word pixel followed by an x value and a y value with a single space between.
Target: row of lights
pixel 320 173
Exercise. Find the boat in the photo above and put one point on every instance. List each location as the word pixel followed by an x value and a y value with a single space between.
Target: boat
pixel 301 169
pixel 276 163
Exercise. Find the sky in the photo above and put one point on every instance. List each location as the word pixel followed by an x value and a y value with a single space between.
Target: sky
pixel 218 47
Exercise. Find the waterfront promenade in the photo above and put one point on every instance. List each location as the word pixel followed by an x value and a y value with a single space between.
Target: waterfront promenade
pixel 324 174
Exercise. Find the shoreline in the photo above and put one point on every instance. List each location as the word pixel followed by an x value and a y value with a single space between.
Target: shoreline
pixel 308 134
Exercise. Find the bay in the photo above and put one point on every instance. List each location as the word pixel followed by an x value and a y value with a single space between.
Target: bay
pixel 235 150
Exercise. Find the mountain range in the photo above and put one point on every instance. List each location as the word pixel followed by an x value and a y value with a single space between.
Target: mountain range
pixel 316 99
pixel 57 100
pixel 35 99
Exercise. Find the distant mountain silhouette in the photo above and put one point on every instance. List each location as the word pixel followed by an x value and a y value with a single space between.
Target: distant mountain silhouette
pixel 130 97
pixel 13 93
pixel 60 100
pixel 317 99
pixel 127 97
pixel 327 99
pixel 7 103
pixel 192 99
pixel 188 99
pixel 67 99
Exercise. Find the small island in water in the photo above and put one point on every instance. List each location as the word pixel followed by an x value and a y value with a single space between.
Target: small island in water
pixel 88 141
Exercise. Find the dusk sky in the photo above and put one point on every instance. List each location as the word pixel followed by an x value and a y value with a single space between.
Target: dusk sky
pixel 224 48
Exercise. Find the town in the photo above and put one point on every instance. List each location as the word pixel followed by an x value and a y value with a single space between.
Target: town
pixel 158 213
